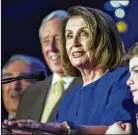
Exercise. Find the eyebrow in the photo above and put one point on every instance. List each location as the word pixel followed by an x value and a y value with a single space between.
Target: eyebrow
pixel 136 66
pixel 79 29
pixel 10 74
pixel 47 37
pixel 7 74
pixel 43 39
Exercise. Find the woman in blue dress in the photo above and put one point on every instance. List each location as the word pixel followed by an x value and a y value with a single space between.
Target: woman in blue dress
pixel 91 48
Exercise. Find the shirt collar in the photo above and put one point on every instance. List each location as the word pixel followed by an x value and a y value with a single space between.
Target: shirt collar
pixel 10 117
pixel 56 77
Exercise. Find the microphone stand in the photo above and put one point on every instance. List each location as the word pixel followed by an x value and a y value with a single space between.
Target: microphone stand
pixel 39 76
pixel 8 80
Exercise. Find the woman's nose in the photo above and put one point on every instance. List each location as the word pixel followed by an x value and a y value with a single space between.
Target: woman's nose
pixel 77 41
pixel 130 82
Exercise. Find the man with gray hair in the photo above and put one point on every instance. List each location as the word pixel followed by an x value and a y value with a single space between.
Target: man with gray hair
pixel 16 66
pixel 43 105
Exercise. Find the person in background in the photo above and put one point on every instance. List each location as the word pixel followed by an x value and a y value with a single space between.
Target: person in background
pixel 132 82
pixel 16 66
pixel 90 48
pixel 40 102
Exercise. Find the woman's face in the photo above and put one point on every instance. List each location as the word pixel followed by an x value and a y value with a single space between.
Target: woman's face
pixel 133 79
pixel 77 42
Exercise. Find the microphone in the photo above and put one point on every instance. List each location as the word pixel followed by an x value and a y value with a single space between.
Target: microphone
pixel 39 76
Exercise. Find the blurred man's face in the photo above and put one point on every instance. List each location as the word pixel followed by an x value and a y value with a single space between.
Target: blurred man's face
pixel 133 79
pixel 50 45
pixel 11 91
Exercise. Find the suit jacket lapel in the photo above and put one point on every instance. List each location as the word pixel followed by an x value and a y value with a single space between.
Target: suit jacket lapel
pixel 38 106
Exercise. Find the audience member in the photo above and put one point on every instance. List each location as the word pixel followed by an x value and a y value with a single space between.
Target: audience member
pixel 16 66
pixel 40 101
pixel 132 57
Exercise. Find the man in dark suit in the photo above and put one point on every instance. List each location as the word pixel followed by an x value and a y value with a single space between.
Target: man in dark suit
pixel 35 101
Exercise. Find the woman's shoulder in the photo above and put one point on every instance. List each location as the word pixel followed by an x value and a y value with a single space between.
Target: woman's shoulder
pixel 120 70
pixel 119 73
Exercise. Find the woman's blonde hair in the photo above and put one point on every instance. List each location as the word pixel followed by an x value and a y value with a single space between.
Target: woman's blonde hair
pixel 105 42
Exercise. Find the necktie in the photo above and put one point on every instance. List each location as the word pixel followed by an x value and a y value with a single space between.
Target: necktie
pixel 53 98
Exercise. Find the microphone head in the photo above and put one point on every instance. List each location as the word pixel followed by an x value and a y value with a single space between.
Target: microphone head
pixel 40 76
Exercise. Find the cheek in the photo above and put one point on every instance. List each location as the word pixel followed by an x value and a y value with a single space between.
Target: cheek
pixel 136 83
pixel 89 55
pixel 5 95
pixel 25 84
pixel 5 88
pixel 135 78
pixel 85 43
pixel 69 54
pixel 44 50
pixel 67 50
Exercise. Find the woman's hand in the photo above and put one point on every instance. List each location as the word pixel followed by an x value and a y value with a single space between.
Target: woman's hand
pixel 119 128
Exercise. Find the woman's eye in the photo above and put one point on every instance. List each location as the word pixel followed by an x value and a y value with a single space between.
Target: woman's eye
pixel 136 70
pixel 46 41
pixel 84 34
pixel 69 36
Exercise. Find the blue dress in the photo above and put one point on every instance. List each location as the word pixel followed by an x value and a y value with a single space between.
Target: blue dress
pixel 98 103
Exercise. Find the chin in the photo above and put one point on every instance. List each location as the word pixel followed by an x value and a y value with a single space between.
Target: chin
pixel 81 63
pixel 77 65
pixel 56 69
pixel 13 107
pixel 135 100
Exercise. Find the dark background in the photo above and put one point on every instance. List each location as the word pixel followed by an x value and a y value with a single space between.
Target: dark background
pixel 20 21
